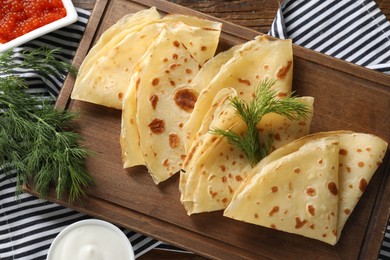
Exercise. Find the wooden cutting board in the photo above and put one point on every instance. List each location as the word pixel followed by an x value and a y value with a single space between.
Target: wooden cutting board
pixel 346 96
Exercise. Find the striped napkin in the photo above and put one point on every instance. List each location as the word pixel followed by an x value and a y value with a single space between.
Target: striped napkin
pixel 352 30
pixel 28 225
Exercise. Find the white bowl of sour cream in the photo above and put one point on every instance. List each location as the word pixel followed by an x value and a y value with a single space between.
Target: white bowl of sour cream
pixel 91 239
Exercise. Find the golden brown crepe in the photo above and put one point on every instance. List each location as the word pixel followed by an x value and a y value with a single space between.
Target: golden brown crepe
pixel 284 130
pixel 106 70
pixel 358 155
pixel 211 154
pixel 105 73
pixel 113 35
pixel 296 193
pixel 164 100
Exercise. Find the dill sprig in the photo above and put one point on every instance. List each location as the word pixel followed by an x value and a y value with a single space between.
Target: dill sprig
pixel 35 139
pixel 41 60
pixel 265 101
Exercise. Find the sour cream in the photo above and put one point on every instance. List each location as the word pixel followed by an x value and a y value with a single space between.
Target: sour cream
pixel 91 240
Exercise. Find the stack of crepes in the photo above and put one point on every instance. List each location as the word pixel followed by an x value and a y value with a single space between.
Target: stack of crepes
pixel 145 65
pixel 162 73
pixel 213 168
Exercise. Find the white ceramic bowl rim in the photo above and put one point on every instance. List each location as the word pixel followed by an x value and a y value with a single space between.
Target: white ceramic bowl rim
pixel 71 17
pixel 90 222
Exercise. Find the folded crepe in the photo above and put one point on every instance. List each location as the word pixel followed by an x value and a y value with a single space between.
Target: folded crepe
pixel 251 63
pixel 131 151
pixel 209 70
pixel 202 155
pixel 359 157
pixel 214 169
pixel 287 187
pixel 106 69
pixel 296 193
pixel 113 35
pixel 164 101
pixel 104 75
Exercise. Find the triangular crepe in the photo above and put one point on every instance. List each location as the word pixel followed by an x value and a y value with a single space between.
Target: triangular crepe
pixel 164 103
pixel 106 82
pixel 107 63
pixel 129 136
pixel 105 73
pixel 221 170
pixel 359 156
pixel 297 193
pixel 202 156
pixel 251 63
pixel 113 35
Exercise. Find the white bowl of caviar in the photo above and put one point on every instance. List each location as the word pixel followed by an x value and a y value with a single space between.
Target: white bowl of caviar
pixel 22 21
pixel 91 239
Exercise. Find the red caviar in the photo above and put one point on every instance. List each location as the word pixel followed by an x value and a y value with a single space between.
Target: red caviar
pixel 18 17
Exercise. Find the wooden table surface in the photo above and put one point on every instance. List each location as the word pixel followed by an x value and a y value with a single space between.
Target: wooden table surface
pixel 255 14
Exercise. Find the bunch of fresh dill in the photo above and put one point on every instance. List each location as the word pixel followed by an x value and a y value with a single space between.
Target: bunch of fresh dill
pixel 35 139
pixel 265 101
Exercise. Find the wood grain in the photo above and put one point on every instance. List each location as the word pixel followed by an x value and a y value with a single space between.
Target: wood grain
pixel 130 199
pixel 254 14
pixel 257 15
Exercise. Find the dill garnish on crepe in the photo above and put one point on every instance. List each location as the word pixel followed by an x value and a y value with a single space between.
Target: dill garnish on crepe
pixel 264 101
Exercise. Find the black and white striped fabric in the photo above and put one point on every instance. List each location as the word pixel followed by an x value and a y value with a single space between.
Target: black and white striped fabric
pixel 352 30
pixel 28 225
